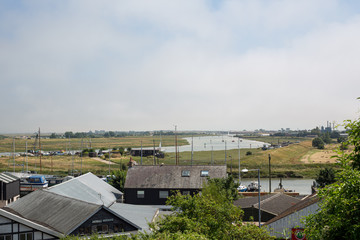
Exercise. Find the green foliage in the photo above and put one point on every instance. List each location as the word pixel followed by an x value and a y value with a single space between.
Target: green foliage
pixel 118 179
pixel 208 215
pixel 221 189
pixel 53 135
pixel 121 150
pixel 325 177
pixel 339 214
pixel 318 143
pixel 326 138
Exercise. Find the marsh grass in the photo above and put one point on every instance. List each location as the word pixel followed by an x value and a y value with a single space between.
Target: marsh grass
pixel 285 161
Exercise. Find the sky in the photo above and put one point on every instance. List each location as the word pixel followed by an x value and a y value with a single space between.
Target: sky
pixel 198 64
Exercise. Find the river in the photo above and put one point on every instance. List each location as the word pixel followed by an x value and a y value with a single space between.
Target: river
pixel 214 143
pixel 300 185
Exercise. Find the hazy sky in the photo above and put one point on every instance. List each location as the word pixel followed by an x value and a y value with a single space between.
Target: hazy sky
pixel 82 65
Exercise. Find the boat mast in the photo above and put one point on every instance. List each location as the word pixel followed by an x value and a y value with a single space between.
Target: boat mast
pixel 40 150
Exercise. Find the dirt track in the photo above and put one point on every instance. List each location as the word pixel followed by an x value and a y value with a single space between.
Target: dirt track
pixel 324 156
pixel 102 160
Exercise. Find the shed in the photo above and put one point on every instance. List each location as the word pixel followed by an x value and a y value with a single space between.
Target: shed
pixel 281 226
pixel 271 205
pixel 9 188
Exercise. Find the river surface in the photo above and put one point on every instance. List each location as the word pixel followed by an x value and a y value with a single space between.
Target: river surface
pixel 302 186
pixel 214 143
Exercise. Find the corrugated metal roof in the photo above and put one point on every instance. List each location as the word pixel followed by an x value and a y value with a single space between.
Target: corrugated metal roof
pixel 89 188
pixel 140 215
pixel 29 223
pixel 170 176
pixel 53 210
pixel 7 177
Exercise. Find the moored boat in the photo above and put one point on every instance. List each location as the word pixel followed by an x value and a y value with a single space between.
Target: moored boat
pixel 33 183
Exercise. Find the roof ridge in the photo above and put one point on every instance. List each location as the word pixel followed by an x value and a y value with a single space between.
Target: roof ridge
pixel 47 191
pixel 276 195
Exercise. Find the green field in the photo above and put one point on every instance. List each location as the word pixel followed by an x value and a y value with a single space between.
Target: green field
pixel 285 162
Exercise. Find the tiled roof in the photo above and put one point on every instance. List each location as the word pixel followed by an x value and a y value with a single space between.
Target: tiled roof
pixel 170 176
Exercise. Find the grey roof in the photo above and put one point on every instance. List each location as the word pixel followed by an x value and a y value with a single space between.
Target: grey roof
pixel 272 203
pixel 169 176
pixel 89 188
pixel 311 199
pixel 60 213
pixel 7 177
pixel 140 215
pixel 29 223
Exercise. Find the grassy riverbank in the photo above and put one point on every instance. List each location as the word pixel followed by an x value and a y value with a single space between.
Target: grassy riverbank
pixel 295 160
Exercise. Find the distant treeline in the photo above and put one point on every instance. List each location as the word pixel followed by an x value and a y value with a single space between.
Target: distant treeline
pixel 108 134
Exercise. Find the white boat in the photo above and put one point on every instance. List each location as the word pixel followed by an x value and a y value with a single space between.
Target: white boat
pixel 33 183
pixel 242 188
pixel 253 187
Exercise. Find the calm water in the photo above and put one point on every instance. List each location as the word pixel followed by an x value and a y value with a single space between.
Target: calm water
pixel 215 143
pixel 302 186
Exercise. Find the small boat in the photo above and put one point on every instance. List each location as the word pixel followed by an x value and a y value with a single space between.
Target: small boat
pixel 253 187
pixel 33 183
pixel 242 188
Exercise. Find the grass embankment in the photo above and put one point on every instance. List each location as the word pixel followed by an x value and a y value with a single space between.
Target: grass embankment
pixel 6 144
pixel 294 160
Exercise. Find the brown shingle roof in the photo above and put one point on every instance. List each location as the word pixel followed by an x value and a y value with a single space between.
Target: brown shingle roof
pixel 170 176
pixel 272 203
pixel 297 207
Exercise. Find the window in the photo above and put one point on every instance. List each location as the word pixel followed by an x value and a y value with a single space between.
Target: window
pixel 105 228
pixel 163 194
pixel 140 194
pixel 5 237
pixel 204 173
pixel 185 173
pixel 186 192
pixel 26 236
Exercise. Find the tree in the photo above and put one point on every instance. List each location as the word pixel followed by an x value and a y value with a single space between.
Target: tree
pixel 53 135
pixel 68 134
pixel 121 150
pixel 206 216
pixel 118 179
pixel 318 143
pixel 225 188
pixel 325 177
pixel 339 213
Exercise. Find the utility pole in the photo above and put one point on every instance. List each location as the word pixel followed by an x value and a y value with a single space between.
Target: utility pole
pixel 40 150
pixel 269 174
pixel 239 160
pixel 225 152
pixel 14 152
pixel 176 148
pixel 154 151
pixel 141 154
pixel 192 149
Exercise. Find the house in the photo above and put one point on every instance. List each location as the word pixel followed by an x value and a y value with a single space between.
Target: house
pixel 68 216
pixel 283 225
pixel 88 188
pixel 271 205
pixel 151 185
pixel 9 188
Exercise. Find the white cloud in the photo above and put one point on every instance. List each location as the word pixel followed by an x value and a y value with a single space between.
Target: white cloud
pixel 143 65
